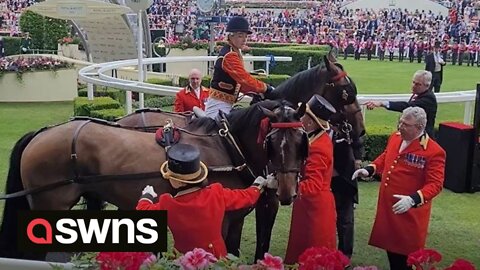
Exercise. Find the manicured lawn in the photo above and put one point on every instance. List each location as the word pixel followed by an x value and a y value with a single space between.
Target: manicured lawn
pixel 455 223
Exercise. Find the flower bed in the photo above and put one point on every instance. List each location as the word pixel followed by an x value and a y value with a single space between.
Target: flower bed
pixel 36 79
pixel 315 258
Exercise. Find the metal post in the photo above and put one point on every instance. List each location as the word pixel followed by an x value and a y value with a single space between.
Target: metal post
pixel 211 47
pixel 309 63
pixel 140 59
pixel 467 116
pixel 267 67
pixel 90 85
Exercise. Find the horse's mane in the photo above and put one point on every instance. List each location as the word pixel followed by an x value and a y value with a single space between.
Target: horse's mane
pixel 238 119
pixel 307 79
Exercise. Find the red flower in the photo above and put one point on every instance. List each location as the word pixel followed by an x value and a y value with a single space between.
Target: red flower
pixel 122 260
pixel 424 259
pixel 316 258
pixel 270 262
pixel 461 264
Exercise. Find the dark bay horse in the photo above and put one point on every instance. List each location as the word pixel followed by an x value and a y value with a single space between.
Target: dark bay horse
pixel 113 164
pixel 328 80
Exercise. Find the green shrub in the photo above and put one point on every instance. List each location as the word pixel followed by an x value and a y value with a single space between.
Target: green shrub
pixel 159 101
pixel 83 107
pixel 44 31
pixel 12 45
pixel 114 93
pixel 158 81
pixel 273 79
pixel 261 44
pixel 299 59
pixel 108 114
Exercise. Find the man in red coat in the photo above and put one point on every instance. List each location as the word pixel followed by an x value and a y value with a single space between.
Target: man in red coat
pixel 313 216
pixel 412 170
pixel 195 213
pixel 194 95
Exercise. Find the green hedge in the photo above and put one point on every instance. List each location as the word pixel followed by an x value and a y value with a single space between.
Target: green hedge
pixel 159 101
pixel 299 59
pixel 262 44
pixel 108 114
pixel 12 45
pixel 44 31
pixel 84 107
pixel 114 93
pixel 160 81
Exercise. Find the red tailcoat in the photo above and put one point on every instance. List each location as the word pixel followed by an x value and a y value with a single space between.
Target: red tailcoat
pixel 186 99
pixel 195 219
pixel 418 169
pixel 313 216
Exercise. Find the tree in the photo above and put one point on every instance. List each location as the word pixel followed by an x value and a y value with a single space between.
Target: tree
pixel 44 31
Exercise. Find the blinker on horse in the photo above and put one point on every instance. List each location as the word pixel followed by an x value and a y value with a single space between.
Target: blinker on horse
pixel 113 164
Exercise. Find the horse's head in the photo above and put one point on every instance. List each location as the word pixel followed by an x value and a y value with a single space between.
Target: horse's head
pixel 286 145
pixel 339 89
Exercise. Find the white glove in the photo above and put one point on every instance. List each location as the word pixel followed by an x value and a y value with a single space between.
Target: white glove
pixel 272 182
pixel 260 182
pixel 360 173
pixel 149 190
pixel 403 205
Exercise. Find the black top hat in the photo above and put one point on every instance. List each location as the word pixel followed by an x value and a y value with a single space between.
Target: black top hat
pixel 320 108
pixel 183 165
pixel 437 44
pixel 238 24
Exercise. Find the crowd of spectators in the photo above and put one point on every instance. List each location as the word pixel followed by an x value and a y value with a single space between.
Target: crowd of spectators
pixel 10 11
pixel 324 23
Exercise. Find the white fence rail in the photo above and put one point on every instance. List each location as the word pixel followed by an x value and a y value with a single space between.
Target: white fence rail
pixel 101 74
pixel 15 264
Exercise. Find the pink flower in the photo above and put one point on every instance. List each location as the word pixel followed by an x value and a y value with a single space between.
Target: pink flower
pixel 150 260
pixel 196 259
pixel 424 259
pixel 121 260
pixel 371 267
pixel 461 264
pixel 270 262
pixel 322 258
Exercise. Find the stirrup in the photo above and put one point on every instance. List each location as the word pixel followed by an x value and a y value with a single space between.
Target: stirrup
pixel 199 112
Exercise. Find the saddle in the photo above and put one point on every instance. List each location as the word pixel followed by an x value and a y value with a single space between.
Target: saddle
pixel 168 135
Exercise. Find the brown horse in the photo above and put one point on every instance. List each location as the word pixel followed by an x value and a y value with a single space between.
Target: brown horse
pixel 113 164
pixel 328 80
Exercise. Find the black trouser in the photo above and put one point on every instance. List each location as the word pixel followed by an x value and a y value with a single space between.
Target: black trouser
pixel 436 81
pixel 411 56
pixel 400 55
pixel 471 59
pixel 444 55
pixel 420 56
pixel 357 55
pixel 454 57
pixel 369 54
pixel 345 222
pixel 397 261
pixel 460 58
pixel 391 56
pixel 381 55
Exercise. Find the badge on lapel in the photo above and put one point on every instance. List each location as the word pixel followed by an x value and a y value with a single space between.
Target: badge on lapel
pixel 415 160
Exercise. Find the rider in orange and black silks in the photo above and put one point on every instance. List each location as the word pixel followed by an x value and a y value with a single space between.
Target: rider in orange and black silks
pixel 229 76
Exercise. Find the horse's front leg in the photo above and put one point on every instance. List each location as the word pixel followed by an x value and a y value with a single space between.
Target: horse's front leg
pixel 232 229
pixel 265 214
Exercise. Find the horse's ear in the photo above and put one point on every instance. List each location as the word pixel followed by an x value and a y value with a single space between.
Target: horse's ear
pixel 331 56
pixel 301 110
pixel 327 63
pixel 268 113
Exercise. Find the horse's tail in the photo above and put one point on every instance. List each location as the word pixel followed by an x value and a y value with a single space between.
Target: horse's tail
pixel 8 229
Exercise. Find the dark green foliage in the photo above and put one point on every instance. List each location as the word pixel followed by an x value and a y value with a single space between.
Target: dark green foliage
pixel 44 31
pixel 159 102
pixel 12 45
pixel 160 81
pixel 299 59
pixel 116 94
pixel 82 106
pixel 108 114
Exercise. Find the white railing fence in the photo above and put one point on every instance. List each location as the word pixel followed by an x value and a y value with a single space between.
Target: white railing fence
pixel 101 74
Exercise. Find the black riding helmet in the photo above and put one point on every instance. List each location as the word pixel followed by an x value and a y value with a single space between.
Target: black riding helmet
pixel 238 24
